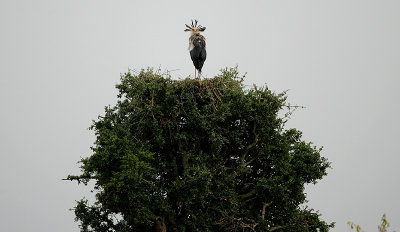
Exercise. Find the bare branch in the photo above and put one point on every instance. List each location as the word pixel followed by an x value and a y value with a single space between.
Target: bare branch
pixel 276 228
pixel 81 178
pixel 249 194
pixel 265 205
pixel 249 162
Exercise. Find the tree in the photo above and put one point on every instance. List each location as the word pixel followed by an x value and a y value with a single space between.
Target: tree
pixel 190 155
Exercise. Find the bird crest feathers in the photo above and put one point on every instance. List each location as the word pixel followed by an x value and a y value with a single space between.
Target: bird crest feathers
pixel 194 27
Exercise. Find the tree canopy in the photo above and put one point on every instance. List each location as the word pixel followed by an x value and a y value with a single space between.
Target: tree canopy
pixel 190 155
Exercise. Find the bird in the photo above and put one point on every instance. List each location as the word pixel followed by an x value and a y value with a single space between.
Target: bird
pixel 197 46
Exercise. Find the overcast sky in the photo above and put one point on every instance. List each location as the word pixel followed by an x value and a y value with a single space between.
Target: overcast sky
pixel 60 61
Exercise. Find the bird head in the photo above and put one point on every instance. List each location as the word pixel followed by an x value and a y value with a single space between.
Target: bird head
pixel 195 28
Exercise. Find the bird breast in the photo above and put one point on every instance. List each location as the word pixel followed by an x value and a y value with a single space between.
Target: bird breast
pixel 194 37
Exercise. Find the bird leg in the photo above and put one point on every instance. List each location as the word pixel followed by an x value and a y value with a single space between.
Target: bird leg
pixel 194 73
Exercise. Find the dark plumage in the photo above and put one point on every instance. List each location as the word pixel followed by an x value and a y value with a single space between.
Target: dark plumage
pixel 197 46
pixel 198 53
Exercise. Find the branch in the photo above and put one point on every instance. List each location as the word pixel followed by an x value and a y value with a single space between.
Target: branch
pixel 249 194
pixel 152 105
pixel 175 166
pixel 291 109
pixel 250 146
pixel 185 161
pixel 216 95
pixel 234 224
pixel 160 224
pixel 83 178
pixel 265 205
pixel 249 162
pixel 185 157
pixel 276 228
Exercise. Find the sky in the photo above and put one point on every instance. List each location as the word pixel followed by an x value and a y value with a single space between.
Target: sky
pixel 60 62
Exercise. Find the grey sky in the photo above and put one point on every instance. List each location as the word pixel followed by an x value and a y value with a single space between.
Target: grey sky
pixel 60 61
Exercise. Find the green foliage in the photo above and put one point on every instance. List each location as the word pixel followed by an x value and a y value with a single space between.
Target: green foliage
pixel 383 227
pixel 193 155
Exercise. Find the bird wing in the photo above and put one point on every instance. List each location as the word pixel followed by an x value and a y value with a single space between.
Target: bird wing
pixel 200 49
pixel 203 54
